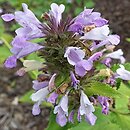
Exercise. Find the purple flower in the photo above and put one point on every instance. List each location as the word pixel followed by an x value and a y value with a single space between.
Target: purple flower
pixel 110 40
pixel 107 62
pixel 56 11
pixel 92 99
pixel 91 118
pixel 51 84
pixel 39 85
pixel 28 19
pixel 11 62
pixel 62 111
pixel 122 73
pixel 79 117
pixel 86 108
pixel 61 117
pixel 52 98
pixel 111 80
pixel 82 67
pixel 75 82
pixel 99 33
pixel 117 55
pixel 74 55
pixel 71 117
pixel 30 29
pixel 31 26
pixel 104 103
pixel 76 27
pixel 42 90
pixel 21 50
pixel 7 17
pixel 38 97
pixel 87 17
pixel 113 39
pixel 36 109
pixel 95 57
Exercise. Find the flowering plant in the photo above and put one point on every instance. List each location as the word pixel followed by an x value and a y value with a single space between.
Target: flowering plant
pixel 77 74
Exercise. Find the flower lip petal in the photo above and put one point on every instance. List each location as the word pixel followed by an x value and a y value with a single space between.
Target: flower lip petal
pixel 36 109
pixel 122 73
pixel 7 17
pixel 91 118
pixel 86 106
pixel 99 33
pixel 39 85
pixel 11 62
pixel 83 66
pixel 74 55
pixel 40 95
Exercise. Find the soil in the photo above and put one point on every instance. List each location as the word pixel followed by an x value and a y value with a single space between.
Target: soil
pixel 15 115
pixel 118 14
pixel 18 116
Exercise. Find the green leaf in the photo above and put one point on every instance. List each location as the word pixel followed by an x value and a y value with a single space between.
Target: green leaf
pixel 34 56
pixel 116 66
pixel 121 104
pixel 89 4
pixel 2 29
pixel 128 39
pixel 121 119
pixel 103 123
pixel 26 97
pixel 4 53
pixel 78 10
pixel 98 88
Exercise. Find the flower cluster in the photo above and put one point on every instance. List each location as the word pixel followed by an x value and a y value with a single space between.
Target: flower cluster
pixel 72 50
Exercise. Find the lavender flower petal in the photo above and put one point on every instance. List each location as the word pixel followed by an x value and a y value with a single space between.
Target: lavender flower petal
pixel 52 98
pixel 36 109
pixel 122 73
pixel 7 17
pixel 104 103
pixel 82 67
pixel 74 55
pixel 71 117
pixel 99 33
pixel 75 82
pixel 91 118
pixel 61 118
pixel 11 62
pixel 39 85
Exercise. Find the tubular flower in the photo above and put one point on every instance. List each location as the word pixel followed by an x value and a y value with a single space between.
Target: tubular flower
pixel 62 111
pixel 86 108
pixel 75 55
pixel 104 103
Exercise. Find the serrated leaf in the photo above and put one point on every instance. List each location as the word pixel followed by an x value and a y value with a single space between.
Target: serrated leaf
pixel 98 88
pixel 122 120
pixel 121 104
